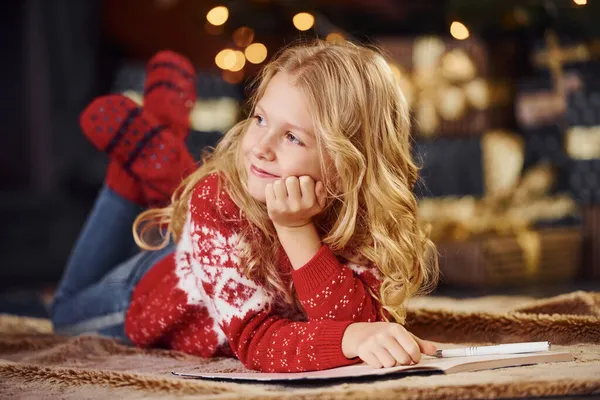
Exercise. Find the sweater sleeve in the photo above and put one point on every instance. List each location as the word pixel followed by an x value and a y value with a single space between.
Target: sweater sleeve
pixel 329 289
pixel 242 308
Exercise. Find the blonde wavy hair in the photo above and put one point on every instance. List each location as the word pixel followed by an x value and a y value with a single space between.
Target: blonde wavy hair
pixel 362 122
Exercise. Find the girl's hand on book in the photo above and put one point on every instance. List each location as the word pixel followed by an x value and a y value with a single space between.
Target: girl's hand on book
pixel 293 202
pixel 384 344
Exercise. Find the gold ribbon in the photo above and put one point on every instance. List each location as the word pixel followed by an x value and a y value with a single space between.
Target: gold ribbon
pixel 511 205
pixel 445 84
pixel 555 56
pixel 531 245
pixel 583 143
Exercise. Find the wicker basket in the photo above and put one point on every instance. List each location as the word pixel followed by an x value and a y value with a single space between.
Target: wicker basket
pixel 591 242
pixel 494 261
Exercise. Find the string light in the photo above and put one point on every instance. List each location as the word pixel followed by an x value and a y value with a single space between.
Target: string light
pixel 303 21
pixel 225 59
pixel 256 53
pixel 459 31
pixel 580 2
pixel 243 36
pixel 218 15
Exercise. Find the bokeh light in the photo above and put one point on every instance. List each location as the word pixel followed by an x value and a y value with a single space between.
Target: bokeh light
pixel 225 59
pixel 459 31
pixel 256 53
pixel 303 21
pixel 218 15
pixel 335 37
pixel 243 36
pixel 239 62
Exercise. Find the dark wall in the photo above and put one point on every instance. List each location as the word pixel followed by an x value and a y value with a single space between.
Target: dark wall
pixel 51 55
pixel 13 152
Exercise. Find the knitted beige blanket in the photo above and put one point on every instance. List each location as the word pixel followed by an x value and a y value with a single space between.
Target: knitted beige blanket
pixel 34 363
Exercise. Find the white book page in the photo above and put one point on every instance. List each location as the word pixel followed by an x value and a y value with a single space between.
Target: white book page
pixel 427 363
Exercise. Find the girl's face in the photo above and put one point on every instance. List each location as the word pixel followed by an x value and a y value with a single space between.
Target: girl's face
pixel 280 140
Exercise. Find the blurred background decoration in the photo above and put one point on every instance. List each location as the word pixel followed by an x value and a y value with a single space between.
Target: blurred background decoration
pixel 504 94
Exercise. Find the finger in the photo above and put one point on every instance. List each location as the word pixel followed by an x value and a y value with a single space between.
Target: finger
pixel 425 346
pixel 408 343
pixel 269 195
pixel 293 188
pixel 370 358
pixel 280 190
pixel 384 356
pixel 307 185
pixel 321 194
pixel 396 350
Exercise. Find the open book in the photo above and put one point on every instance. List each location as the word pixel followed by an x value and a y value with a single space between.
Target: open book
pixel 449 365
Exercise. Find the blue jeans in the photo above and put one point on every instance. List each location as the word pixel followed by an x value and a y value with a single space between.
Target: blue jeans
pixel 102 271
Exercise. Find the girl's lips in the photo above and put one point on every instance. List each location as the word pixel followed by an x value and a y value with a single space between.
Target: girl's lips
pixel 260 173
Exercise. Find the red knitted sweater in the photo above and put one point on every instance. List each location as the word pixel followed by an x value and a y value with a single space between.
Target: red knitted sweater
pixel 199 301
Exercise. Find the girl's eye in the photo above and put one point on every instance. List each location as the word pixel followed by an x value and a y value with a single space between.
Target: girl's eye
pixel 259 120
pixel 293 139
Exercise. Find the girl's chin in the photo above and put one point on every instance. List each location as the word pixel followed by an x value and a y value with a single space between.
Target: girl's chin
pixel 258 194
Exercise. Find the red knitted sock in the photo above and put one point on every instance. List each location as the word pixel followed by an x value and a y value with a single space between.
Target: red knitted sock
pixel 147 151
pixel 170 90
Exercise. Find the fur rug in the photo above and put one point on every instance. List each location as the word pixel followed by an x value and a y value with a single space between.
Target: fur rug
pixel 34 363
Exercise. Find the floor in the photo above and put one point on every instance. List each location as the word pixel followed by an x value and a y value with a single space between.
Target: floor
pixel 35 302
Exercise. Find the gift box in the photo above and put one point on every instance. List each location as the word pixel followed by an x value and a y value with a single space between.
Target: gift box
pixel 449 167
pixel 591 242
pixel 547 145
pixel 584 181
pixel 539 104
pixel 455 166
pixel 583 104
pixel 509 233
pixel 582 138
pixel 545 255
pixel 450 85
pixel 562 63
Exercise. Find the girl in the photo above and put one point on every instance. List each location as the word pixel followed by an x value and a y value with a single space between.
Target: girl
pixel 291 247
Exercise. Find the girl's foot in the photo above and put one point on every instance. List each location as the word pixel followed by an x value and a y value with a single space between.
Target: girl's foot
pixel 147 151
pixel 170 90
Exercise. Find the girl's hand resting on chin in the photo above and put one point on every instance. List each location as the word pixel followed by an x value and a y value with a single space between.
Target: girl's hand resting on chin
pixel 384 344
pixel 293 202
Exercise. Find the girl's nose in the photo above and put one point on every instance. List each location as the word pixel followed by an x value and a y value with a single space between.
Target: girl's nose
pixel 263 149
